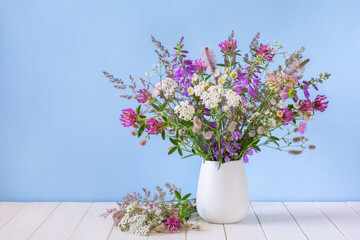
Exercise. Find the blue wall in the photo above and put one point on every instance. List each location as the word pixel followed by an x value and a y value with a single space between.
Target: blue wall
pixel 60 137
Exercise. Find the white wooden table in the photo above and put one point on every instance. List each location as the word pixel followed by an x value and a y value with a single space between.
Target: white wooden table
pixel 266 220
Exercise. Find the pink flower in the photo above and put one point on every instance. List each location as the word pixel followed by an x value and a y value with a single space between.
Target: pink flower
pixel 153 126
pixel 172 223
pixel 200 64
pixel 306 106
pixel 142 96
pixel 284 93
pixel 143 142
pixel 287 116
pixel 266 52
pixel 319 103
pixel 128 118
pixel 228 46
pixel 302 127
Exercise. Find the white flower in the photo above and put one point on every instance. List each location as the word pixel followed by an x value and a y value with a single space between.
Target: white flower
pixel 225 69
pixel 200 88
pixel 272 101
pixel 212 97
pixel 222 79
pixel 233 75
pixel 279 113
pixel 217 73
pixel 191 91
pixel 164 85
pixel 147 74
pixel 281 105
pixel 194 77
pixel 271 122
pixel 256 114
pixel 233 99
pixel 296 106
pixel 184 110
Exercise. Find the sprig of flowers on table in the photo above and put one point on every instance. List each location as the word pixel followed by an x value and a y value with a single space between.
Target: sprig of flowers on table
pixel 224 111
pixel 140 215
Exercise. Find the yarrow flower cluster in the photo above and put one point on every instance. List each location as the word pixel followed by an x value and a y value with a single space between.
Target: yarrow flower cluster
pixel 225 111
pixel 184 110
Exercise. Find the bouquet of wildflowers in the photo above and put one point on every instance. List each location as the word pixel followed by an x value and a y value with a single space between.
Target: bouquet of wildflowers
pixel 224 111
pixel 140 215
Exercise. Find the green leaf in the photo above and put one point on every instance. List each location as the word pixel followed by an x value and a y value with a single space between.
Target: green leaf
pixel 177 195
pixel 207 77
pixel 180 151
pixel 172 150
pixel 220 65
pixel 186 196
pixel 191 155
pixel 173 141
pixel 186 214
pixel 177 205
pixel 141 130
pixel 256 147
pixel 164 106
pixel 274 138
pixel 163 134
pixel 137 111
pixel 142 116
pixel 156 107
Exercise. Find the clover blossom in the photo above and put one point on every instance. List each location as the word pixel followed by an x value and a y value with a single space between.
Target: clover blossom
pixel 228 46
pixel 128 118
pixel 143 96
pixel 153 126
pixel 287 116
pixel 266 52
pixel 172 223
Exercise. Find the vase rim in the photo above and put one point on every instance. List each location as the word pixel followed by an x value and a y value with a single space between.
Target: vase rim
pixel 216 162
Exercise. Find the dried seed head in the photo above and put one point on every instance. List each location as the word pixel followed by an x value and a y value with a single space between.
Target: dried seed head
pixel 296 130
pixel 312 147
pixel 208 135
pixel 252 133
pixel 232 126
pixel 132 133
pixel 296 139
pixel 260 130
pixel 295 152
pixel 143 142
pixel 160 228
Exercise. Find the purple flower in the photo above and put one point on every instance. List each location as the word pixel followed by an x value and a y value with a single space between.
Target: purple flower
pixel 227 159
pixel 266 52
pixel 183 73
pixel 142 96
pixel 287 116
pixel 153 126
pixel 284 93
pixel 306 106
pixel 172 223
pixel 228 46
pixel 128 117
pixel 200 64
pixel 302 127
pixel 236 135
pixel 246 158
pixel 320 104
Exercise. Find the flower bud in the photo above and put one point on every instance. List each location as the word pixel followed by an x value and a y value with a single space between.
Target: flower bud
pixel 195 129
pixel 132 133
pixel 143 142
pixel 296 139
pixel 252 133
pixel 197 122
pixel 232 126
pixel 208 135
pixel 260 130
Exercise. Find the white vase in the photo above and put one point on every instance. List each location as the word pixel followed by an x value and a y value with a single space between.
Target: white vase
pixel 222 194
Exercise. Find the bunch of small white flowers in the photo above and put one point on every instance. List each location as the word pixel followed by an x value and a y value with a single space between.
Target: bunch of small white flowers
pixel 212 97
pixel 199 89
pixel 184 110
pixel 233 99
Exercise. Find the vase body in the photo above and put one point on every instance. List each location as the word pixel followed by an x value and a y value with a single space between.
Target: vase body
pixel 222 194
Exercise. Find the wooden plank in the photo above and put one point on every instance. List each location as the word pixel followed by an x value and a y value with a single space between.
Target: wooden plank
pixel 27 221
pixel 277 222
pixel 62 222
pixel 208 231
pixel 248 228
pixel 94 227
pixel 8 210
pixel 116 234
pixel 355 206
pixel 343 216
pixel 179 235
pixel 314 223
